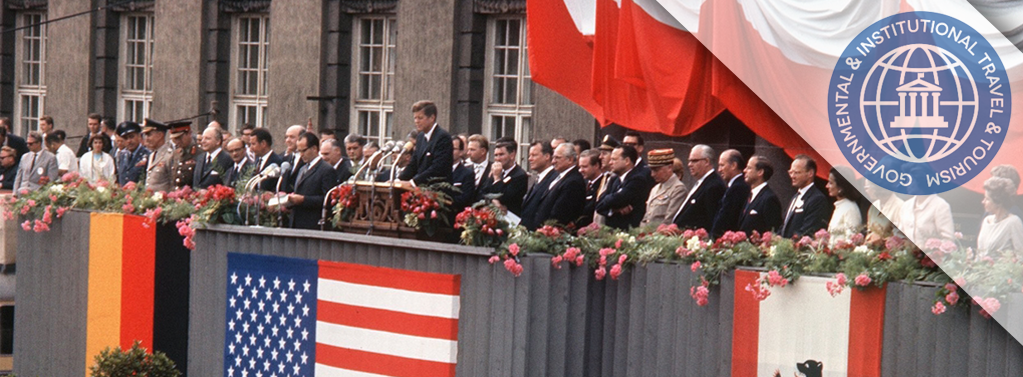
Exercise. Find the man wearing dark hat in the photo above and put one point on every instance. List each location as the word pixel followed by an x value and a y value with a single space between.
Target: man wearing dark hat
pixel 668 193
pixel 183 159
pixel 132 163
pixel 159 169
pixel 607 145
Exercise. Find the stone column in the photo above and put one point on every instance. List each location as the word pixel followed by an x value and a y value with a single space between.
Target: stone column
pixel 296 53
pixel 69 64
pixel 177 61
pixel 426 60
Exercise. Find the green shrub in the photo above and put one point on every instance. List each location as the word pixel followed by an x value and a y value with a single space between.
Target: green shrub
pixel 135 362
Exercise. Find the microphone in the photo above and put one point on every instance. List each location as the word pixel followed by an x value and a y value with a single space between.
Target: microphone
pixel 408 147
pixel 285 169
pixel 271 171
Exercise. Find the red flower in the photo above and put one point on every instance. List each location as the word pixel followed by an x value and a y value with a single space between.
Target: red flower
pixel 938 308
pixel 862 280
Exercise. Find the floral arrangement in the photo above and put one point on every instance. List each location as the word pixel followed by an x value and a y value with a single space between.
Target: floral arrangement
pixel 136 361
pixel 425 208
pixel 482 225
pixel 344 199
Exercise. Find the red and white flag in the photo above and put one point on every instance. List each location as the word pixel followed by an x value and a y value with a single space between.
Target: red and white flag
pixel 801 330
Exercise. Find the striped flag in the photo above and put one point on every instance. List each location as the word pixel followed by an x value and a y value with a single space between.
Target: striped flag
pixel 297 317
pixel 802 329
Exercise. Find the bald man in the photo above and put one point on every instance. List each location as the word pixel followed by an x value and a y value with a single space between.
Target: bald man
pixel 213 163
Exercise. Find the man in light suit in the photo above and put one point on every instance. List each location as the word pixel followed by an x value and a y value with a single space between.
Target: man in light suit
pixel 38 167
pixel 701 205
pixel 762 211
pixel 477 151
pixel 669 192
pixel 730 166
pixel 159 169
pixel 212 163
pixel 809 210
pixel 314 180
pixel 432 158
pixel 131 162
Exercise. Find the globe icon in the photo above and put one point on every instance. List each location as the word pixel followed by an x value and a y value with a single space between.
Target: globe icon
pixel 919 103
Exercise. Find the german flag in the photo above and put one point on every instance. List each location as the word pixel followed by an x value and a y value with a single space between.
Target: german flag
pixel 122 274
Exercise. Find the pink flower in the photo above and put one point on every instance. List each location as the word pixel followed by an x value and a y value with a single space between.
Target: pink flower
pixel 618 244
pixel 69 176
pixel 27 225
pixel 775 279
pixel 556 261
pixel 959 281
pixel 702 233
pixel 600 273
pixel 603 261
pixel 834 288
pixel 128 208
pixel 804 242
pixel 857 239
pixel 766 237
pixel 514 267
pixel 894 242
pixel 759 292
pixel 48 214
pixel 991 305
pixel 31 203
pixel 606 251
pixel 695 266
pixel 683 252
pixel 932 244
pixel 40 227
pixel 513 249
pixel 60 211
pixel 616 271
pixel 948 247
pixel 8 215
pixel 579 260
pixel 822 235
pixel 494 259
pixel 25 209
pixel 938 308
pixel 841 279
pixel 951 287
pixel 571 253
pixel 433 214
pixel 862 280
pixel 700 294
pixel 622 258
pixel 959 235
pixel 130 186
pixel 952 298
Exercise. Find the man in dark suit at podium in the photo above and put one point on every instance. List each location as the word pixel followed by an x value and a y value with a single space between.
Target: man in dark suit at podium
pixel 314 179
pixel 730 166
pixel 700 207
pixel 762 212
pixel 431 160
pixel 809 210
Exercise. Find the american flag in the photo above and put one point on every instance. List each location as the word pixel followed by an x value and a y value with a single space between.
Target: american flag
pixel 297 317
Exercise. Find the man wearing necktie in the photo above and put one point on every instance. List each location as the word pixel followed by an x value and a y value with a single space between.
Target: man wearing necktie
pixel 242 167
pixel 37 166
pixel 159 172
pixel 540 153
pixel 762 212
pixel 312 183
pixel 432 158
pixel 212 163
pixel 132 163
pixel 809 210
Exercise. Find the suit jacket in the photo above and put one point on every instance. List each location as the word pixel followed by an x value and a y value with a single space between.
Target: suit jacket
pixel 431 160
pixel 289 179
pixel 565 201
pixel 344 170
pixel 762 214
pixel 212 174
pixel 591 200
pixel 29 173
pixel 512 189
pixel 730 207
pixel 272 158
pixel 465 181
pixel 128 168
pixel 633 191
pixel 159 169
pixel 7 177
pixel 312 183
pixel 809 214
pixel 665 199
pixel 699 211
pixel 232 176
pixel 483 185
pixel 19 145
pixel 531 202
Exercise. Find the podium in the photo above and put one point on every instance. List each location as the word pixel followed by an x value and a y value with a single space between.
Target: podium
pixel 378 212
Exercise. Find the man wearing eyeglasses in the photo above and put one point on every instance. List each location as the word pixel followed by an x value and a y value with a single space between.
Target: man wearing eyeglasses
pixel 635 140
pixel 37 168
pixel 8 169
pixel 699 208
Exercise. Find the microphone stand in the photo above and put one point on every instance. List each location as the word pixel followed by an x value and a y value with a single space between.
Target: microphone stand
pixel 280 209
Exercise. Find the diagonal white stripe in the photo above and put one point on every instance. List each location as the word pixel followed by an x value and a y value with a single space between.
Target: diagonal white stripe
pixel 428 304
pixel 387 343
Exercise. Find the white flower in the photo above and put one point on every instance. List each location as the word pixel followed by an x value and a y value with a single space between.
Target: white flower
pixel 57 188
pixel 101 189
pixel 772 250
pixel 693 244
pixel 861 249
pixel 158 195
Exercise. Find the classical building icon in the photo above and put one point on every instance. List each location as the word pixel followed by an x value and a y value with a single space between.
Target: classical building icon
pixel 927 92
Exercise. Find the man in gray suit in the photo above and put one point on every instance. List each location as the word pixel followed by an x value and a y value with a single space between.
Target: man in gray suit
pixel 38 166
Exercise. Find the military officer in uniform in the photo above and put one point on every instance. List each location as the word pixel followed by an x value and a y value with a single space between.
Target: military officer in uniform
pixel 158 165
pixel 183 160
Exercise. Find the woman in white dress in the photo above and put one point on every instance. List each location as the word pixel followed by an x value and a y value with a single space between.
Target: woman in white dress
pixel 1001 231
pixel 846 219
pixel 96 165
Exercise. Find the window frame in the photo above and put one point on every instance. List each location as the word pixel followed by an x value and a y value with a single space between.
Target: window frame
pixel 23 90
pixel 258 102
pixel 522 108
pixel 126 92
pixel 382 107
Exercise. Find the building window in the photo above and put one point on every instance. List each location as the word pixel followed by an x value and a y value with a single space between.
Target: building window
pixel 509 88
pixel 250 96
pixel 30 72
pixel 136 67
pixel 374 60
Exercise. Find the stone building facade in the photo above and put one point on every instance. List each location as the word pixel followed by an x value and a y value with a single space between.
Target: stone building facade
pixel 349 65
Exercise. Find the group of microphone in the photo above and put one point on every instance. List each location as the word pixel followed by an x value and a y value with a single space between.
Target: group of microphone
pixel 274 171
